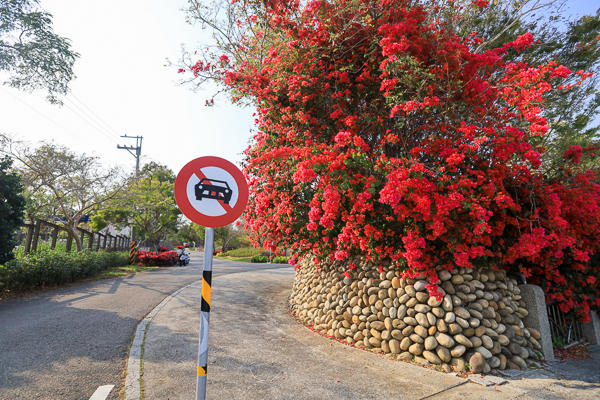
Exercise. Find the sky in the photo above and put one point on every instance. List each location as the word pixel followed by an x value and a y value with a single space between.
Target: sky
pixel 122 79
pixel 124 88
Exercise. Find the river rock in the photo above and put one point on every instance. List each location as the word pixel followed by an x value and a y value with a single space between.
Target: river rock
pixel 461 339
pixel 432 357
pixel 430 343
pixel 422 308
pixel 458 350
pixel 458 364
pixel 477 363
pixel 444 354
pixel 519 361
pixel 444 340
pixel 481 311
pixel 416 349
pixel 444 275
pixel 422 320
pixel 394 346
pixel 483 351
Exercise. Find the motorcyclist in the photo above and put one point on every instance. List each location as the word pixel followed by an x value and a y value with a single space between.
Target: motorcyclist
pixel 184 258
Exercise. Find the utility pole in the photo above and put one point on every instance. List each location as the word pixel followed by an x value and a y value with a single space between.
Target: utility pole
pixel 138 153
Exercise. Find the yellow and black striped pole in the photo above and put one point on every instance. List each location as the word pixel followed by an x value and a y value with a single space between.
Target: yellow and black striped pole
pixel 205 314
pixel 132 253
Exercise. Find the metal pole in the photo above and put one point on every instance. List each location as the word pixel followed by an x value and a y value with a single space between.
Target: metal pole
pixel 205 314
pixel 138 153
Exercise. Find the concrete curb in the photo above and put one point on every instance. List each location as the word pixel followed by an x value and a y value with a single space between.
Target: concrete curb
pixel 133 389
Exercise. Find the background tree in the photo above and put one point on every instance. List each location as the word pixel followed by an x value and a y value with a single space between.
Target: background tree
pixel 573 42
pixel 39 203
pixel 229 234
pixel 76 183
pixel 31 53
pixel 12 206
pixel 185 234
pixel 148 204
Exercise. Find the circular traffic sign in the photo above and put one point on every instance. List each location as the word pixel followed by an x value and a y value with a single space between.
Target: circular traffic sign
pixel 211 191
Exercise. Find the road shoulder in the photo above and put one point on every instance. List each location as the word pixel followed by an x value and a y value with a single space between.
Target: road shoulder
pixel 258 351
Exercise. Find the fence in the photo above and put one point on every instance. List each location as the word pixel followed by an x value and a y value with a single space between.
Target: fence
pixel 98 240
pixel 565 332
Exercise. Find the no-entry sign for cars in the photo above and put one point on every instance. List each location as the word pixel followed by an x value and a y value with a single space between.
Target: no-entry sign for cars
pixel 211 191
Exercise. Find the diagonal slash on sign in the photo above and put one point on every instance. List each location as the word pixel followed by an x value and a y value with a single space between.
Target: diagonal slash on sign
pixel 201 175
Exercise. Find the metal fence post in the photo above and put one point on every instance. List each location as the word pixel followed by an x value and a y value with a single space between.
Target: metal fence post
pixel 205 315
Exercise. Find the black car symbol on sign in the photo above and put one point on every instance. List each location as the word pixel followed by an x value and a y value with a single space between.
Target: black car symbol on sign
pixel 213 189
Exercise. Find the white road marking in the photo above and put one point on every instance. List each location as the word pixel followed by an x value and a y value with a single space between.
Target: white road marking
pixel 102 392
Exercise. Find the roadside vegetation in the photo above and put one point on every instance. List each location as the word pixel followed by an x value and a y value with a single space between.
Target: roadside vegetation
pixel 424 134
pixel 252 255
pixel 46 267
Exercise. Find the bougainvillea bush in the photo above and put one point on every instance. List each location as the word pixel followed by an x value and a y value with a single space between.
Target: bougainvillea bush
pixel 154 259
pixel 382 133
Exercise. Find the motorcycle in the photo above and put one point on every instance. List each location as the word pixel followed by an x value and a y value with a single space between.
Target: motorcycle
pixel 184 258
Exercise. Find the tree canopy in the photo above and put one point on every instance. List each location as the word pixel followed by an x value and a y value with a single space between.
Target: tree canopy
pixel 31 53
pixel 74 184
pixel 12 205
pixel 148 204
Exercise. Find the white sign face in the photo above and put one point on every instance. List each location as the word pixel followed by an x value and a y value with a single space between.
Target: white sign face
pixel 211 190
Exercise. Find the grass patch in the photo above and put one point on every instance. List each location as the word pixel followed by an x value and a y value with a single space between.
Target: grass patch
pixel 237 259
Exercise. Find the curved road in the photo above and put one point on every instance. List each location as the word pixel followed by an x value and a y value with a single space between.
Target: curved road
pixel 64 344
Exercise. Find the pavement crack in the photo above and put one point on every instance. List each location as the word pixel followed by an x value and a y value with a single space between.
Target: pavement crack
pixel 444 390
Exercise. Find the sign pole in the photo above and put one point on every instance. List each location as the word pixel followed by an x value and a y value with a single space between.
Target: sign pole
pixel 205 313
pixel 211 192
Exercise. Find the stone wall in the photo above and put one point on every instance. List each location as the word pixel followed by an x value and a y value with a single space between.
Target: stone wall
pixel 478 322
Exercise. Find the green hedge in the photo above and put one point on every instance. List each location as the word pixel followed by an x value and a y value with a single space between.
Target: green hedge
pixel 280 260
pixel 243 252
pixel 55 267
pixel 259 259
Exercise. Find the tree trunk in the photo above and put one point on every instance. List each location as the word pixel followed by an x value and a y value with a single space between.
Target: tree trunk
pixel 72 228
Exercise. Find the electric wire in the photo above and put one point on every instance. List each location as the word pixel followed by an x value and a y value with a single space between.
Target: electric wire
pixel 48 118
pixel 88 122
pixel 100 119
pixel 91 118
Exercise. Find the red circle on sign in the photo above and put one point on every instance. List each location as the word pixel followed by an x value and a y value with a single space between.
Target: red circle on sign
pixel 183 201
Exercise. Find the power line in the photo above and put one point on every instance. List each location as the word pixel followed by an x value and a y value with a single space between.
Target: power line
pixel 88 122
pixel 114 132
pixel 48 118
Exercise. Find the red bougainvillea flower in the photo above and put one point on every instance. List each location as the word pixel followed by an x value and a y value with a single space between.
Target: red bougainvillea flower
pixel 381 133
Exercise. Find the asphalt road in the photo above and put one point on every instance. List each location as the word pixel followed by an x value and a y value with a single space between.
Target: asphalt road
pixel 64 344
